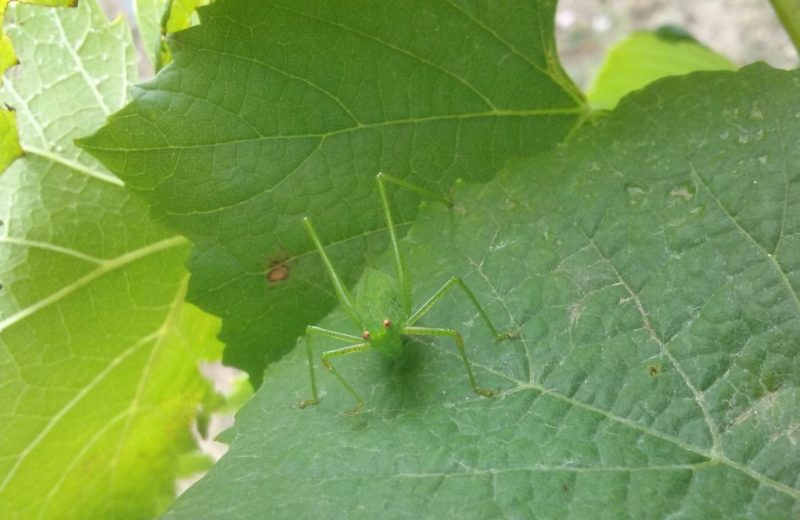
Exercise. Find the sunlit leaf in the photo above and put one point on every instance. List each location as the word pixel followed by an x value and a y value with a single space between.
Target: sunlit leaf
pixel 98 351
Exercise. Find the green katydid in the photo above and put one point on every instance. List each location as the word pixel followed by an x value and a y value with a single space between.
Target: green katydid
pixel 383 312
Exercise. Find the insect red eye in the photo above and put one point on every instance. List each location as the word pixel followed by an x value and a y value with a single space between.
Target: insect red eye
pixel 366 335
pixel 387 324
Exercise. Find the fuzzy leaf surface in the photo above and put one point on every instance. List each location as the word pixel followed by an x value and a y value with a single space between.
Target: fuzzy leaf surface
pixel 651 268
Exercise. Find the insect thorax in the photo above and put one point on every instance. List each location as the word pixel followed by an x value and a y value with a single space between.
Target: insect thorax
pixel 386 340
pixel 379 308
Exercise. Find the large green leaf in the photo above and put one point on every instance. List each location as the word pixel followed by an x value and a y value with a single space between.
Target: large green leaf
pixel 98 351
pixel 652 269
pixel 277 109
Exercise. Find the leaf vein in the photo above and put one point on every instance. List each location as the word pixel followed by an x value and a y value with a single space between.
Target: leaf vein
pixel 698 395
pixel 397 49
pixel 777 267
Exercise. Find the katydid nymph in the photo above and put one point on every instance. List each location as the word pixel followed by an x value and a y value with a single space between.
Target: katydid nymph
pixel 383 313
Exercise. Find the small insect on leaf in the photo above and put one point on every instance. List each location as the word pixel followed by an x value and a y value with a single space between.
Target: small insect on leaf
pixel 654 370
pixel 382 309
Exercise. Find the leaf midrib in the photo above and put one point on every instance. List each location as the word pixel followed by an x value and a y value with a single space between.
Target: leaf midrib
pixel 346 130
pixel 102 269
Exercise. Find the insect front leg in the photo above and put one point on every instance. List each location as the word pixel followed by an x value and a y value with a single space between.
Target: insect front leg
pixel 427 331
pixel 326 356
pixel 311 330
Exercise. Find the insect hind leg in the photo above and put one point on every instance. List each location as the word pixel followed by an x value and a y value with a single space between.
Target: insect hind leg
pixel 326 356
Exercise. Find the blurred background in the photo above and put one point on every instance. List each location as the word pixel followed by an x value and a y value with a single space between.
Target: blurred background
pixel 743 30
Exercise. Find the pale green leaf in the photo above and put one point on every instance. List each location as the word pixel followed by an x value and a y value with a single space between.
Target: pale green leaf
pixel 652 272
pixel 159 18
pixel 51 3
pixel 644 57
pixel 9 140
pixel 149 14
pixel 98 351
pixel 182 13
pixel 7 57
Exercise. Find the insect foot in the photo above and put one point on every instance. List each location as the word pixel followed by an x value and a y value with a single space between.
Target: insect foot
pixel 355 411
pixel 486 392
pixel 307 402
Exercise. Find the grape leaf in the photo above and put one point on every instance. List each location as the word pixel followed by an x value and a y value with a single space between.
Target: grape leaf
pixel 98 351
pixel 274 110
pixel 651 268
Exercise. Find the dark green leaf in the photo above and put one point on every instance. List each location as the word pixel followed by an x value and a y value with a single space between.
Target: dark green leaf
pixel 274 110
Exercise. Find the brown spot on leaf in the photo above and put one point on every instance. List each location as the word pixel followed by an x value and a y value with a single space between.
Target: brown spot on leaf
pixel 278 269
